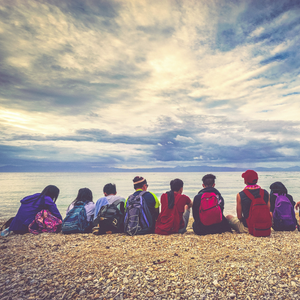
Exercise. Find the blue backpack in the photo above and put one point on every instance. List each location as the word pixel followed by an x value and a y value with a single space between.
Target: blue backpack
pixel 75 220
pixel 284 214
pixel 138 219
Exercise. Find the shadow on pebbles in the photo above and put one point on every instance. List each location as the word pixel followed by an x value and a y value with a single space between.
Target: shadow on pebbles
pixel 84 266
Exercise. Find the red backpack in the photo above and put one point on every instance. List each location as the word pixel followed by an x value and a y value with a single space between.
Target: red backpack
pixel 210 211
pixel 259 221
pixel 169 222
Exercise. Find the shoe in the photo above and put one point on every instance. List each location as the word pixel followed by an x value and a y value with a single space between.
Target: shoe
pixel 5 232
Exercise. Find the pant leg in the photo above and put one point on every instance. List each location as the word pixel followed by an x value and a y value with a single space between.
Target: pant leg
pixel 238 225
pixel 185 216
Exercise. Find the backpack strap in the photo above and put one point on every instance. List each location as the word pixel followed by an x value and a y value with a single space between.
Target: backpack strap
pixel 249 195
pixel 117 202
pixel 142 193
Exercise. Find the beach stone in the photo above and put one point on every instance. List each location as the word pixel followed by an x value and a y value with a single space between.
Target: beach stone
pixel 82 292
pixel 215 283
pixel 44 278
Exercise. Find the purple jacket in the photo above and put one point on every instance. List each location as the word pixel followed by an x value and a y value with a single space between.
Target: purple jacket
pixel 30 206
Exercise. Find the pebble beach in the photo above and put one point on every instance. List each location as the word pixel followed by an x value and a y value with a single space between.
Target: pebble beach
pixel 117 266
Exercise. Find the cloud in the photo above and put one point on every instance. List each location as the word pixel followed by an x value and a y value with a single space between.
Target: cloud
pixel 184 139
pixel 129 83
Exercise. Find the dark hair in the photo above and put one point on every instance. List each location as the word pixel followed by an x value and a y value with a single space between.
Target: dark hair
pixel 141 181
pixel 209 180
pixel 84 195
pixel 278 188
pixel 51 191
pixel 176 184
pixel 253 182
pixel 109 189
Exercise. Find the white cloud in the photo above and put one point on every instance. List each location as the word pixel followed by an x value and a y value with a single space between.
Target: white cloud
pixel 184 139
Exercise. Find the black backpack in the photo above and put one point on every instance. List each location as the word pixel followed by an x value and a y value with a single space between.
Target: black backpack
pixel 110 219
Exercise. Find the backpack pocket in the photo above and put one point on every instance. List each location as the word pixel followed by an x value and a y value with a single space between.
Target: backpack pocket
pixel 261 229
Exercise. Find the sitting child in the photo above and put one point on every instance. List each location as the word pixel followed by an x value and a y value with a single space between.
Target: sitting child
pixel 282 208
pixel 33 204
pixel 80 213
pixel 208 209
pixel 175 210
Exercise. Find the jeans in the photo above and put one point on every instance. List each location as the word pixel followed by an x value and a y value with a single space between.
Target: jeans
pixel 185 216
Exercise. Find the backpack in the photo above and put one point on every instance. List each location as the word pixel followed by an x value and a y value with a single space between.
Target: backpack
pixel 259 220
pixel 169 223
pixel 284 214
pixel 75 220
pixel 210 211
pixel 44 221
pixel 138 219
pixel 110 219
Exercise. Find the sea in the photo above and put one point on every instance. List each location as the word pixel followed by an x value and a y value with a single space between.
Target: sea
pixel 15 186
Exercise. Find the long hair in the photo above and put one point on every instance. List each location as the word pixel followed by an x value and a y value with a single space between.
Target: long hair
pixel 51 191
pixel 84 195
pixel 278 188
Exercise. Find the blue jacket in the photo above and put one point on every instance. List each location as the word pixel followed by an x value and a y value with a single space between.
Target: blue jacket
pixel 30 206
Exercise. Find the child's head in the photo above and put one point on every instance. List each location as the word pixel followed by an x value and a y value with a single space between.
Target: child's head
pixel 176 185
pixel 84 195
pixel 51 191
pixel 109 189
pixel 250 177
pixel 209 180
pixel 278 188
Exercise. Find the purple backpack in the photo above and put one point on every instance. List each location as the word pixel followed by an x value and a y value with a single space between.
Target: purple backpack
pixel 284 214
pixel 44 221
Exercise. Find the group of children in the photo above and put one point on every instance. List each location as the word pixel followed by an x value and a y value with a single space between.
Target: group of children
pixel 257 210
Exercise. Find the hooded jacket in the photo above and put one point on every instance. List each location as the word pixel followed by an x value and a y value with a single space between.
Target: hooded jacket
pixel 30 206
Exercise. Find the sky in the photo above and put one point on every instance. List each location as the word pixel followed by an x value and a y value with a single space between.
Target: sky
pixel 133 83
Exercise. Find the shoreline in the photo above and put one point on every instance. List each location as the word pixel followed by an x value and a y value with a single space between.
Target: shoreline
pixel 117 266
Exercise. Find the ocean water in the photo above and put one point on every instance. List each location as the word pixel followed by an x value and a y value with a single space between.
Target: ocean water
pixel 15 186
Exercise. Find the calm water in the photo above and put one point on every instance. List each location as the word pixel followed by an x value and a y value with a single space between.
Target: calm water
pixel 15 186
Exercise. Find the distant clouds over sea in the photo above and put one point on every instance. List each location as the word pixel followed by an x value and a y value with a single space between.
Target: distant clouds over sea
pixel 130 84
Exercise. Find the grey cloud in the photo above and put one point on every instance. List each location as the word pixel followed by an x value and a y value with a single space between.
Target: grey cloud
pixel 87 10
pixel 107 137
pixel 57 85
pixel 157 30
pixel 286 128
pixel 253 152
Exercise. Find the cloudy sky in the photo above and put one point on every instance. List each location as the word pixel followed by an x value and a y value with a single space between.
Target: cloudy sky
pixel 150 83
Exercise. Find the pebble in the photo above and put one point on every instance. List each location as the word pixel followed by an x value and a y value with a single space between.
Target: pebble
pixel 116 266
pixel 82 292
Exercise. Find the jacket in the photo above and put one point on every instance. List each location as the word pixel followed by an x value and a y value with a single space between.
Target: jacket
pixel 30 206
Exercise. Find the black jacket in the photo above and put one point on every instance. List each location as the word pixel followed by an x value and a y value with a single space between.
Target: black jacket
pixel 201 229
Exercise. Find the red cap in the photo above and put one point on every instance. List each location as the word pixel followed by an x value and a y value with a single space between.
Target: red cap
pixel 250 176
